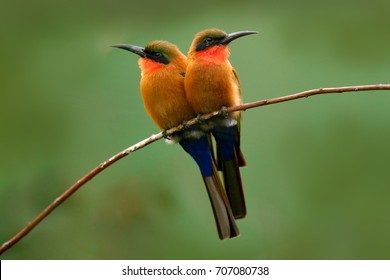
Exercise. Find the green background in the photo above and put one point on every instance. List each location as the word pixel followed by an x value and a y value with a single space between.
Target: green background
pixel 317 181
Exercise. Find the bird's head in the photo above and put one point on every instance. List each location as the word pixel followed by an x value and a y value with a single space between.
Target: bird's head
pixel 156 54
pixel 214 41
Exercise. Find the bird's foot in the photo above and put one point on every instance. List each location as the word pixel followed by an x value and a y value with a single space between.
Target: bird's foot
pixel 200 119
pixel 185 125
pixel 223 112
pixel 165 134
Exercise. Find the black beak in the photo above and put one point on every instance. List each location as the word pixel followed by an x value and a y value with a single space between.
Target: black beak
pixel 235 35
pixel 134 49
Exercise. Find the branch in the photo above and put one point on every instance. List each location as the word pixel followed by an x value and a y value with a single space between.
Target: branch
pixel 70 191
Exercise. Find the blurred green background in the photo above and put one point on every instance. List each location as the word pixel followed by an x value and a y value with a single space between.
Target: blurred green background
pixel 317 181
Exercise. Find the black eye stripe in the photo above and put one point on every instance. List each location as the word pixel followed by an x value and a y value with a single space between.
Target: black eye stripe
pixel 157 56
pixel 208 42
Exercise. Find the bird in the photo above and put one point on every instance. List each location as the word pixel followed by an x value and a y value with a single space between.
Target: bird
pixel 212 84
pixel 163 67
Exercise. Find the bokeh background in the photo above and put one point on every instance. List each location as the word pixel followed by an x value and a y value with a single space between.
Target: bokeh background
pixel 317 182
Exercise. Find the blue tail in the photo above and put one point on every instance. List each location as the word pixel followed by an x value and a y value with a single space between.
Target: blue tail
pixel 200 151
pixel 230 158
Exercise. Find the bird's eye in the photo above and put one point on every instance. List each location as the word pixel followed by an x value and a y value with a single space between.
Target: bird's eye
pixel 208 41
pixel 158 57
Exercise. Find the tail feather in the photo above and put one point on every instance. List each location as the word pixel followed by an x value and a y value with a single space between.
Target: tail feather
pixel 230 158
pixel 240 157
pixel 234 188
pixel 200 150
pixel 224 219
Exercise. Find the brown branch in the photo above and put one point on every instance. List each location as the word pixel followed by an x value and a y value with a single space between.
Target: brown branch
pixel 158 136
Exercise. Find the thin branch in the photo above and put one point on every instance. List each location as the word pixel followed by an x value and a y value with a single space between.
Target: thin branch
pixel 169 132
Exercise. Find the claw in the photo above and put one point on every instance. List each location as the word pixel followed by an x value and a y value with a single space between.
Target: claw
pixel 200 119
pixel 185 124
pixel 223 112
pixel 165 134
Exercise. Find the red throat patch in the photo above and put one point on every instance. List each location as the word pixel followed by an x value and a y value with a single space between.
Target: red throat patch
pixel 215 54
pixel 148 65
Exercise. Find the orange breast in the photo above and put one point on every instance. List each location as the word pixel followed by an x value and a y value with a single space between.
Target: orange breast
pixel 164 98
pixel 209 86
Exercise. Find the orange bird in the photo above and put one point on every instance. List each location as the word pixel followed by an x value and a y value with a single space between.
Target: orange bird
pixel 211 84
pixel 162 87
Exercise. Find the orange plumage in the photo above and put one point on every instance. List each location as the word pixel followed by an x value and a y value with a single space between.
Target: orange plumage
pixel 162 87
pixel 211 83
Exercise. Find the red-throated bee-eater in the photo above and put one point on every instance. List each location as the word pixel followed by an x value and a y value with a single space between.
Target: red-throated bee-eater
pixel 211 83
pixel 162 88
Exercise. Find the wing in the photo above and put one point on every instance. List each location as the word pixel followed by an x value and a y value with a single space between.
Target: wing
pixel 240 155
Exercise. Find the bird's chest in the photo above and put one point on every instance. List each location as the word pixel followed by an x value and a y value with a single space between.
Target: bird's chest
pixel 211 87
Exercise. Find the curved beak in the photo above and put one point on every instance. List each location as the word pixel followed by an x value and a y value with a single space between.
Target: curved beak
pixel 134 49
pixel 235 35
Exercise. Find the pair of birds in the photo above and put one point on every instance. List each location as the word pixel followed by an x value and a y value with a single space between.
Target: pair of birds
pixel 175 89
